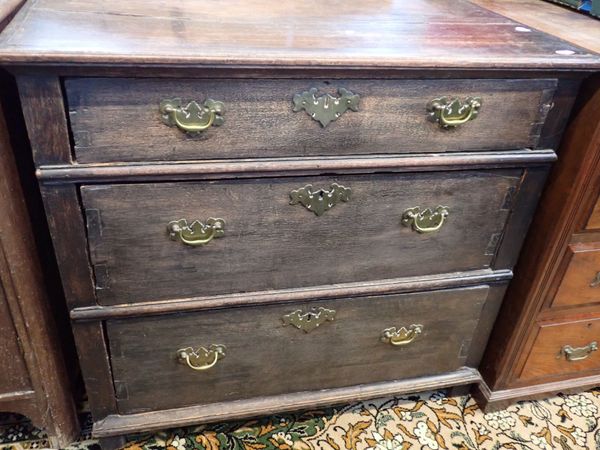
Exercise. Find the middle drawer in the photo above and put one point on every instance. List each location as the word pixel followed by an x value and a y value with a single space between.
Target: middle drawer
pixel 262 234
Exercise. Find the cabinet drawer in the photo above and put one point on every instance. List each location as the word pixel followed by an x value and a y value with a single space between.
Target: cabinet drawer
pixel 269 243
pixel 564 349
pixel 121 120
pixel 580 284
pixel 262 353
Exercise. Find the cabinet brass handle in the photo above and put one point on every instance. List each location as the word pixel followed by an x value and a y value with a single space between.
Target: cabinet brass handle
pixel 196 233
pixel 310 320
pixel 193 117
pixel 577 353
pixel 201 358
pixel 596 281
pixel 450 113
pixel 426 221
pixel 401 336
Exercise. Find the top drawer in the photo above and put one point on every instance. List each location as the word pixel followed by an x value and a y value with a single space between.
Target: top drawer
pixel 116 120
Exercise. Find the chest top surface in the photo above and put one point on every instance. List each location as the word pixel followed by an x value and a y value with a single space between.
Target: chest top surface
pixel 264 33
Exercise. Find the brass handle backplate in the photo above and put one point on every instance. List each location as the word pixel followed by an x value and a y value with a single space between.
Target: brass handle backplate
pixel 401 336
pixel 577 353
pixel 193 117
pixel 426 221
pixel 450 113
pixel 196 233
pixel 201 358
pixel 310 320
pixel 320 200
pixel 326 108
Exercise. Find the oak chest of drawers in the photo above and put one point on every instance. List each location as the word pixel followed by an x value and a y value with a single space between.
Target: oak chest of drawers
pixel 283 205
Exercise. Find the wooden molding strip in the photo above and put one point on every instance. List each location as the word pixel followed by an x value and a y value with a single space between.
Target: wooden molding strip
pixel 79 173
pixel 500 399
pixel 155 420
pixel 396 285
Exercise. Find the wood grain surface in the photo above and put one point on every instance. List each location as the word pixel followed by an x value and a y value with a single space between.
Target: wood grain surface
pixel 119 119
pixel 382 33
pixel 583 265
pixel 265 357
pixel 270 244
pixel 559 21
pixel 545 359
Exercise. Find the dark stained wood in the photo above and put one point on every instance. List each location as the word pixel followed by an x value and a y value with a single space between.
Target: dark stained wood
pixel 343 257
pixel 270 244
pixel 35 382
pixel 289 33
pixel 44 112
pixel 90 173
pixel 522 203
pixel 545 360
pixel 264 357
pixel 488 316
pixel 119 119
pixel 558 116
pixel 156 420
pixel 70 245
pixel 93 356
pixel 362 289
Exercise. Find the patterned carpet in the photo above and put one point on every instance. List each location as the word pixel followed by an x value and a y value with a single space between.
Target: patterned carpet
pixel 426 421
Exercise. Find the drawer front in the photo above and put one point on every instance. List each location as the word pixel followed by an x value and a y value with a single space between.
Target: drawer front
pixel 564 349
pixel 121 120
pixel 580 284
pixel 269 243
pixel 261 355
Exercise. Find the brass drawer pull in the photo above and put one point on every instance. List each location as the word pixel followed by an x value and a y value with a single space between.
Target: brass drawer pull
pixel 401 336
pixel 201 359
pixel 321 200
pixel 450 113
pixel 326 108
pixel 596 281
pixel 577 353
pixel 197 233
pixel 192 118
pixel 310 320
pixel 426 221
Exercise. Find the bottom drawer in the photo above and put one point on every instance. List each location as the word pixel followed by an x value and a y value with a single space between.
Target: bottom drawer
pixel 284 348
pixel 564 349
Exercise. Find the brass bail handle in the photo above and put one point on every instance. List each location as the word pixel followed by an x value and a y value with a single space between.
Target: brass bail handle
pixel 578 353
pixel 194 117
pixel 399 337
pixel 197 233
pixel 202 358
pixel 452 112
pixel 426 220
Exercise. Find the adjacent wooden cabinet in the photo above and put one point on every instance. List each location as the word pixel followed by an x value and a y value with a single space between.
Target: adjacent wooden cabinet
pixel 34 380
pixel 547 334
